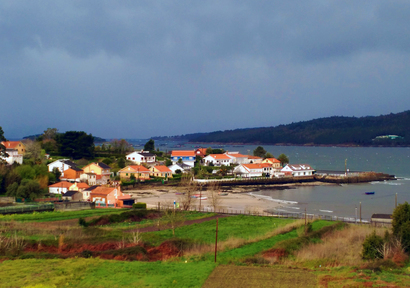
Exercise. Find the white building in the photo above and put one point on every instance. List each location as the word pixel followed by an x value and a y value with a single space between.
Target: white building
pixel 62 165
pixel 141 157
pixel 218 160
pixel 14 156
pixel 187 157
pixel 238 158
pixel 179 166
pixel 60 187
pixel 298 170
pixel 254 170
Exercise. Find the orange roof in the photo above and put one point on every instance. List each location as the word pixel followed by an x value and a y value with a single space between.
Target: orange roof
pixel 102 190
pixel 183 153
pixel 201 150
pixel 257 166
pixel 219 156
pixel 237 155
pixel 273 160
pixel 135 168
pixel 10 144
pixel 82 185
pixel 63 184
pixel 254 157
pixel 162 168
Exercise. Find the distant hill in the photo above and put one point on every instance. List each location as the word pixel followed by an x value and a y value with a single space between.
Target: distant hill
pixel 334 130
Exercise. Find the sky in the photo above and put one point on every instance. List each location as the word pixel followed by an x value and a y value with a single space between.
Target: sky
pixel 136 69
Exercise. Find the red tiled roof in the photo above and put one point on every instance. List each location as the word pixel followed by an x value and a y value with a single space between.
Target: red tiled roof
pixel 254 157
pixel 163 168
pixel 257 166
pixel 82 185
pixel 10 144
pixel 63 184
pixel 183 153
pixel 135 168
pixel 219 156
pixel 237 155
pixel 102 190
pixel 273 160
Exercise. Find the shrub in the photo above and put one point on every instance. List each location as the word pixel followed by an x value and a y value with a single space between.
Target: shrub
pixel 372 247
pixel 139 205
pixel 82 222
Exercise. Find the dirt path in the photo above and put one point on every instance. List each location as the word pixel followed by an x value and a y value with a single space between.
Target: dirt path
pixel 188 222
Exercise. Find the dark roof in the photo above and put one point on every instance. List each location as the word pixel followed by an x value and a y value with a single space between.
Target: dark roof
pixel 91 188
pixel 382 216
pixel 146 154
pixel 70 193
pixel 68 162
pixel 103 165
pixel 75 168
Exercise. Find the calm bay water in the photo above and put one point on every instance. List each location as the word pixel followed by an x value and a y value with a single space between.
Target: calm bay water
pixel 338 200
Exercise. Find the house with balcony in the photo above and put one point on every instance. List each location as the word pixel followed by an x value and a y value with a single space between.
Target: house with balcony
pixel 101 170
pixel 161 171
pixel 274 162
pixel 15 151
pixel 186 156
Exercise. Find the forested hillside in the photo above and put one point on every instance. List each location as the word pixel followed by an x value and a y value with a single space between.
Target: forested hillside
pixel 323 131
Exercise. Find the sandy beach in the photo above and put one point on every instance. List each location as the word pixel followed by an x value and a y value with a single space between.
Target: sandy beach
pixel 238 198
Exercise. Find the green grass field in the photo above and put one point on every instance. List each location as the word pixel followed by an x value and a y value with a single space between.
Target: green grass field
pixel 59 215
pixel 102 273
pixel 243 227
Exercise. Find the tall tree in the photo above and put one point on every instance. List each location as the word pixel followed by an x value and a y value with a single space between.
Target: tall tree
pixel 150 145
pixel 283 159
pixel 50 134
pixel 76 144
pixel 3 152
pixel 259 151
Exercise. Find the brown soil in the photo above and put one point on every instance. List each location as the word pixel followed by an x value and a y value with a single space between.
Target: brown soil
pixel 275 253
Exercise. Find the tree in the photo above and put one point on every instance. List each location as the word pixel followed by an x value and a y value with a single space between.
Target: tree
pixel 372 247
pixel 401 224
pixel 27 189
pixel 33 150
pixel 208 151
pixel 259 151
pixel 121 162
pixel 188 188
pixel 149 146
pixel 173 218
pixel 213 194
pixel 283 159
pixel 3 152
pixel 168 162
pixel 269 155
pixel 76 144
pixel 50 134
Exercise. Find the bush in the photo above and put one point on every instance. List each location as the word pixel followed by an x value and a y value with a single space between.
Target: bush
pixel 139 205
pixel 372 247
pixel 82 222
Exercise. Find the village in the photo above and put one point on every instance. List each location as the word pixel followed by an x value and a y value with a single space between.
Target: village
pixel 99 183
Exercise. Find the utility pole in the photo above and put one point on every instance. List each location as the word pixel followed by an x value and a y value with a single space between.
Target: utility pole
pixel 355 219
pixel 360 212
pixel 395 202
pixel 305 223
pixel 200 197
pixel 346 167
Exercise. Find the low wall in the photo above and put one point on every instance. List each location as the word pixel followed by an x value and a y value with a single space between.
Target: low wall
pixel 73 206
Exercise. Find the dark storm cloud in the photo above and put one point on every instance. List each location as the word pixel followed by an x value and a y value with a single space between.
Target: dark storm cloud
pixel 142 68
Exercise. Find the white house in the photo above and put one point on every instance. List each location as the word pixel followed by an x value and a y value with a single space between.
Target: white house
pixel 62 165
pixel 141 157
pixel 238 158
pixel 14 156
pixel 217 160
pixel 60 187
pixel 179 166
pixel 254 170
pixel 298 170
pixel 187 157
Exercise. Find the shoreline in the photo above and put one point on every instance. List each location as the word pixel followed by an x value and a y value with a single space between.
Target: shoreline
pixel 238 199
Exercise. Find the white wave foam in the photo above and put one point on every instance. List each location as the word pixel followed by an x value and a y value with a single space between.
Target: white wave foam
pixel 289 207
pixel 274 200
pixel 327 211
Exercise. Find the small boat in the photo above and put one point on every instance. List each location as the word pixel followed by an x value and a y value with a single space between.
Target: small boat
pixel 369 193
